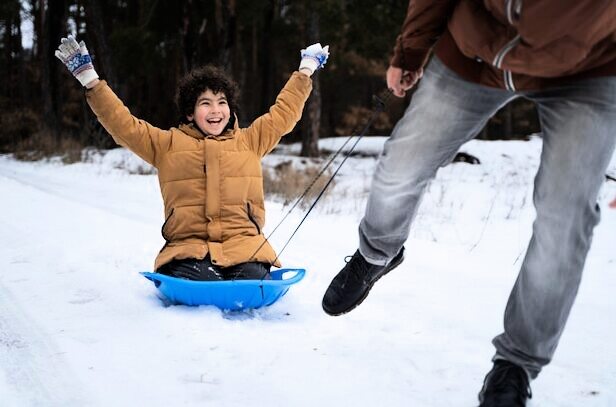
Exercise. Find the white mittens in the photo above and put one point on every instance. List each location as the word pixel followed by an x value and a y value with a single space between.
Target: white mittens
pixel 314 57
pixel 77 59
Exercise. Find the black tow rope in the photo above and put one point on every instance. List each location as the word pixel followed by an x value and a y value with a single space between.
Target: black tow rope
pixel 380 103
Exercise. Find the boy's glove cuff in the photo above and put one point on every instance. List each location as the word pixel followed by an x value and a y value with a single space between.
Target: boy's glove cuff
pixel 309 63
pixel 86 75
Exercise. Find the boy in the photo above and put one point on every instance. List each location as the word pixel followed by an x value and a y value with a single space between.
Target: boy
pixel 209 169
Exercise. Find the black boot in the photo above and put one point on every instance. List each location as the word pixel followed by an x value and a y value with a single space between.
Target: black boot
pixel 506 385
pixel 352 285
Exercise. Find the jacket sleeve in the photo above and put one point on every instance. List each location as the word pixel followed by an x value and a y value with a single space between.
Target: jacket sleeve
pixel 128 131
pixel 425 21
pixel 267 130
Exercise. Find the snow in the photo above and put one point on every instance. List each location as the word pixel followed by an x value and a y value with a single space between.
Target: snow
pixel 80 327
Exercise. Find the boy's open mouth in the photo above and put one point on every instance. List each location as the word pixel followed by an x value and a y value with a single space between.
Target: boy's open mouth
pixel 214 121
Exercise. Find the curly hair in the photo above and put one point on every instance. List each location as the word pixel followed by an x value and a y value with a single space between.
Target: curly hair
pixel 197 81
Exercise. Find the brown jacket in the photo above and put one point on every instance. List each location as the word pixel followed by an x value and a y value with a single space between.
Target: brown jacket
pixel 212 186
pixel 513 44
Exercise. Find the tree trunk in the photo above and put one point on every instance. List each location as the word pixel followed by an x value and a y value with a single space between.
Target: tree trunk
pixel 226 27
pixel 266 62
pixel 312 124
pixel 240 64
pixel 10 20
pixel 12 69
pixel 95 22
pixel 21 56
pixel 187 36
pixel 53 23
pixel 37 27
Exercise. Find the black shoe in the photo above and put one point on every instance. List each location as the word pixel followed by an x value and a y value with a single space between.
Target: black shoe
pixel 506 385
pixel 352 285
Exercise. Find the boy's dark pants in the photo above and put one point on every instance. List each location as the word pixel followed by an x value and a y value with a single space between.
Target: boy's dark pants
pixel 204 270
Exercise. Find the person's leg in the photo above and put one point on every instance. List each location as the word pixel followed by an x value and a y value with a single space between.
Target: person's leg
pixel 445 112
pixel 579 132
pixel 248 271
pixel 192 269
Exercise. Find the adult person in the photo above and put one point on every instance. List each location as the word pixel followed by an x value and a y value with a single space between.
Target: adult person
pixel 562 56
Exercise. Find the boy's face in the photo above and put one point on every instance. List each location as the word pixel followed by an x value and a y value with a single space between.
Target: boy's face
pixel 211 112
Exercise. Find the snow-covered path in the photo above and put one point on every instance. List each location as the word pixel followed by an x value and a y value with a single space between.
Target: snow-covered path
pixel 80 327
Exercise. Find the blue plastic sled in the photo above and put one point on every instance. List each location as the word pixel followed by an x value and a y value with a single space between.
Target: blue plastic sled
pixel 227 295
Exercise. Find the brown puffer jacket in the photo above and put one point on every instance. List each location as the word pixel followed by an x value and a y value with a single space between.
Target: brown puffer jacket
pixel 212 186
pixel 513 44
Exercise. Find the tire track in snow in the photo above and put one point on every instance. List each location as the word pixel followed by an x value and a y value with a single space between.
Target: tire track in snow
pixel 33 369
pixel 35 373
pixel 60 190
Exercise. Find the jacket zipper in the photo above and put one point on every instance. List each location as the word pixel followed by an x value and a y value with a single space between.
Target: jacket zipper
pixel 498 62
pixel 162 229
pixel 508 76
pixel 509 11
pixel 513 9
pixel 500 55
pixel 251 217
pixel 517 9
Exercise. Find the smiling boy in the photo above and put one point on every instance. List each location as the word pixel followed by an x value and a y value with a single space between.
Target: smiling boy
pixel 211 112
pixel 209 169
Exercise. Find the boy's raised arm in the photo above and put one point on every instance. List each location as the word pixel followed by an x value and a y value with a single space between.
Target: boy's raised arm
pixel 267 130
pixel 128 131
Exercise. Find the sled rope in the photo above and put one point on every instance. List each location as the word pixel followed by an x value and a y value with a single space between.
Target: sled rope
pixel 380 104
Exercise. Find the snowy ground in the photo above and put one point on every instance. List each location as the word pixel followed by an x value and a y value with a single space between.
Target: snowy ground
pixel 80 327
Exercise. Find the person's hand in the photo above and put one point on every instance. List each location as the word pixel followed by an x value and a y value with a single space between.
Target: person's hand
pixel 77 59
pixel 314 57
pixel 613 204
pixel 399 81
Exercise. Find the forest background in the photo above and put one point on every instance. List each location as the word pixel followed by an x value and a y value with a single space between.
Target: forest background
pixel 143 47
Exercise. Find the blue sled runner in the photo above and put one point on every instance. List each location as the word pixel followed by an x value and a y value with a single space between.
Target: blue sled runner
pixel 227 295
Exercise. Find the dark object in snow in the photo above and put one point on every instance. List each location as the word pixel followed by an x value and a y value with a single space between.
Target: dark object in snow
pixel 352 285
pixel 466 158
pixel 231 295
pixel 505 385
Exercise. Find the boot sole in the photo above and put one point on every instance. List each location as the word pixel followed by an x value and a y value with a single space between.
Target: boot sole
pixel 392 266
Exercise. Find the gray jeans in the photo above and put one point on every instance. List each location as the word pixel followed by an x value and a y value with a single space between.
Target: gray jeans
pixel 578 123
